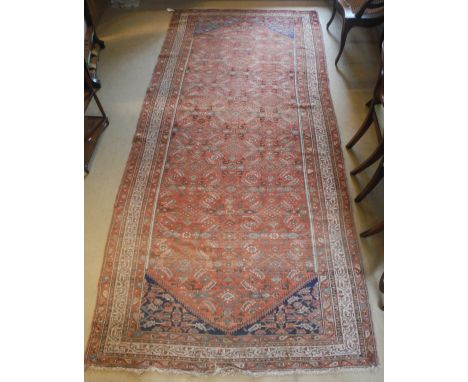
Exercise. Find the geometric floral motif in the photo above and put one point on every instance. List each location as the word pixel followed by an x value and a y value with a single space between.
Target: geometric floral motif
pixel 160 312
pixel 232 246
pixel 233 192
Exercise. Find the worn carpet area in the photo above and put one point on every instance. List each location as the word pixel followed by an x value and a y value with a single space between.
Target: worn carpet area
pixel 232 246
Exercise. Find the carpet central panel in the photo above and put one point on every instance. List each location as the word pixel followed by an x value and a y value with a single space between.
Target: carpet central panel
pixel 232 246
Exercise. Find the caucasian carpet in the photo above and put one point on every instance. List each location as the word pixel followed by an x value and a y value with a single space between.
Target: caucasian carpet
pixel 232 246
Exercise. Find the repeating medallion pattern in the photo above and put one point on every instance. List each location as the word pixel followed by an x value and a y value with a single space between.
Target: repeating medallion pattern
pixel 232 245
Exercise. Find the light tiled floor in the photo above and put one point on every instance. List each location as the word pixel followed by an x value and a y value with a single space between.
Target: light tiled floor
pixel 133 39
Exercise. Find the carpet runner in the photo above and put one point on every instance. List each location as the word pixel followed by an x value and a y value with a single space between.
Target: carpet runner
pixel 232 246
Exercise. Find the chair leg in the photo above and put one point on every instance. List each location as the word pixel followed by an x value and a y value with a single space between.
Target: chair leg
pixel 376 228
pixel 376 178
pixel 364 127
pixel 377 153
pixel 381 286
pixel 381 39
pixel 344 34
pixel 333 14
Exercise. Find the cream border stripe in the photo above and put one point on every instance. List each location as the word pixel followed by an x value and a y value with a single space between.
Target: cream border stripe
pixel 343 283
pixel 350 334
pixel 122 282
pixel 304 162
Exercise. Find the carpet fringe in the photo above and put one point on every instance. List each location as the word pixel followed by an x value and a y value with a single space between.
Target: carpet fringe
pixel 230 371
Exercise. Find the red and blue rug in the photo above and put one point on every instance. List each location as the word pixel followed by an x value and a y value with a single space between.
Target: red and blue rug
pixel 232 246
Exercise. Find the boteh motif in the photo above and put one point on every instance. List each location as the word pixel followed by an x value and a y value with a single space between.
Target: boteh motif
pixel 232 246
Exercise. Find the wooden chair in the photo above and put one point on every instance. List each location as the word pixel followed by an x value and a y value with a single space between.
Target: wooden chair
pixel 357 13
pixel 375 180
pixel 94 126
pixel 376 228
pixel 376 116
pixel 381 286
pixel 377 99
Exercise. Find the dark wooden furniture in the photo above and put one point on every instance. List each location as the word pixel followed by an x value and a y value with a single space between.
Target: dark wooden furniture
pixel 375 180
pixel 356 13
pixel 92 44
pixel 93 125
pixel 377 98
pixel 376 228
pixel 381 286
pixel 374 116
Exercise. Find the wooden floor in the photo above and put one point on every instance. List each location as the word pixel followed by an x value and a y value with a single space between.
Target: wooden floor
pixel 133 39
